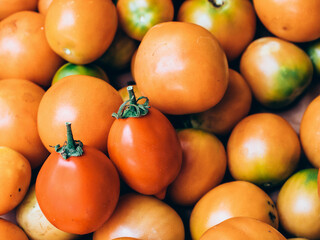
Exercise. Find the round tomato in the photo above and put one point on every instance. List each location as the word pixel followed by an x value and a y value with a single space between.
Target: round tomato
pixel 277 71
pixel 145 148
pixel 11 231
pixel 264 149
pixel 81 31
pixel 142 217
pixel 8 7
pixel 136 17
pixel 77 187
pixel 232 22
pixel 181 68
pixel 296 21
pixel 299 206
pixel 232 199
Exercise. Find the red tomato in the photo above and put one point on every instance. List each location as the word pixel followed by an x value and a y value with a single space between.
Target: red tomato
pixel 77 187
pixel 144 147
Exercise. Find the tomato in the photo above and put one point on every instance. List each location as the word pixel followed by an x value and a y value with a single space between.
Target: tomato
pixel 136 17
pixel 24 50
pixel 11 231
pixel 181 68
pixel 299 206
pixel 145 148
pixel 313 51
pixel 125 95
pixel 232 199
pixel 8 7
pixel 234 106
pixel 203 167
pixel 87 102
pixel 31 219
pixel 43 6
pixel 74 69
pixel 239 228
pixel 296 21
pixel 277 71
pixel 142 217
pixel 81 31
pixel 232 22
pixel 264 149
pixel 77 187
pixel 19 102
pixel 15 176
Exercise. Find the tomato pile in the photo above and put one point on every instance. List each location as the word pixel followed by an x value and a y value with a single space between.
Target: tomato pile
pixel 159 120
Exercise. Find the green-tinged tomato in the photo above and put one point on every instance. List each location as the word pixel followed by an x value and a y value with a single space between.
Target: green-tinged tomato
pixel 136 17
pixel 277 71
pixel 313 51
pixel 299 206
pixel 76 69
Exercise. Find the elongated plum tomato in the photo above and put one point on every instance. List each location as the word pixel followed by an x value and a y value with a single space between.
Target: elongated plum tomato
pixel 145 148
pixel 77 187
pixel 181 68
pixel 9 230
pixel 81 31
pixel 232 22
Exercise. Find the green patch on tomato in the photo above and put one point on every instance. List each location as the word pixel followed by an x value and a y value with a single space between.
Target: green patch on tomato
pixel 314 53
pixel 310 175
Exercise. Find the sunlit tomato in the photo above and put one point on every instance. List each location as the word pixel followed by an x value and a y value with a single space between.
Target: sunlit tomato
pixel 232 22
pixel 181 68
pixel 80 31
pixel 310 132
pixel 87 102
pixel 77 187
pixel 43 6
pixel 8 7
pixel 31 219
pixel 296 21
pixel 74 69
pixel 142 217
pixel 24 51
pixel 234 106
pixel 299 206
pixel 264 149
pixel 276 70
pixel 313 51
pixel 239 228
pixel 11 231
pixel 232 199
pixel 19 102
pixel 145 148
pixel 136 17
pixel 15 176
pixel 203 167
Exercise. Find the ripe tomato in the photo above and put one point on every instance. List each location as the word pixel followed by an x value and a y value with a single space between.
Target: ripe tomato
pixel 264 149
pixel 299 206
pixel 296 21
pixel 232 22
pixel 77 187
pixel 232 199
pixel 8 7
pixel 181 68
pixel 24 50
pixel 239 228
pixel 43 6
pixel 19 102
pixel 11 231
pixel 142 217
pixel 277 71
pixel 234 106
pixel 203 167
pixel 87 102
pixel 145 148
pixel 80 31
pixel 15 176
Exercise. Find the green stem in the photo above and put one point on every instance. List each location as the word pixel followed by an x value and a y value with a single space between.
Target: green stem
pixel 70 140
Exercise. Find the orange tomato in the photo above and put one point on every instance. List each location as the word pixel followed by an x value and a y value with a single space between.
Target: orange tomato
pixel 232 199
pixel 264 149
pixel 19 103
pixel 11 231
pixel 87 102
pixel 81 31
pixel 24 50
pixel 203 167
pixel 43 6
pixel 8 7
pixel 181 68
pixel 15 178
pixel 293 20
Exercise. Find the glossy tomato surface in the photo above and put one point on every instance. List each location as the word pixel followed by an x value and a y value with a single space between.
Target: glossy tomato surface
pixel 8 7
pixel 9 230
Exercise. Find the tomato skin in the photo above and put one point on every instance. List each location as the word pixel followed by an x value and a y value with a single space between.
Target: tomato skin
pixel 146 152
pixel 313 51
pixel 43 6
pixel 78 194
pixel 8 7
pixel 11 231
